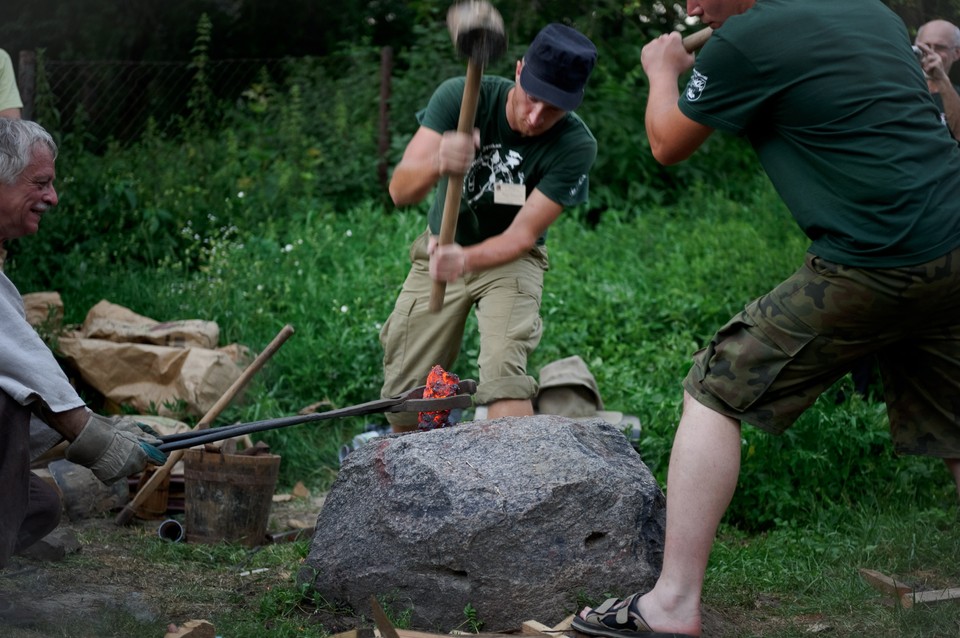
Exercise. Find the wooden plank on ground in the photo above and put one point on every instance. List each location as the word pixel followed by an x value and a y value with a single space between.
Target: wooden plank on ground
pixel 534 628
pixel 885 584
pixel 931 596
pixel 411 633
pixel 565 624
pixel 408 633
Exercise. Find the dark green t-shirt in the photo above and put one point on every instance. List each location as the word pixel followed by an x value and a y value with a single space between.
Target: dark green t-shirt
pixel 557 162
pixel 832 99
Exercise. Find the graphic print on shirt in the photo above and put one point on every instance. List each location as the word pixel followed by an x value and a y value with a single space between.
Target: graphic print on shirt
pixel 490 167
pixel 696 85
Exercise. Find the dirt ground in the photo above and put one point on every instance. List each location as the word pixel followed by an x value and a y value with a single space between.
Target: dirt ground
pixel 109 578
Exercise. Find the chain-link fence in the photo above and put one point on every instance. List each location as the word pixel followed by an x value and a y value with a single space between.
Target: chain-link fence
pixel 115 102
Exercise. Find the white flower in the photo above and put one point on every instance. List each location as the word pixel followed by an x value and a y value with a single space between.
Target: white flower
pixel 349 233
pixel 344 309
pixel 240 194
pixel 288 248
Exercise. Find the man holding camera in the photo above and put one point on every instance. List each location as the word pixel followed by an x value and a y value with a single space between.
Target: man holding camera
pixel 939 44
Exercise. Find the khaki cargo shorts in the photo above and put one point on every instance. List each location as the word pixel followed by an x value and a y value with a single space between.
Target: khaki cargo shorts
pixel 506 303
pixel 771 361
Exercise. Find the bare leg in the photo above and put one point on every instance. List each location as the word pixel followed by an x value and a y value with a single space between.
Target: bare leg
pixel 509 407
pixel 704 466
pixel 954 466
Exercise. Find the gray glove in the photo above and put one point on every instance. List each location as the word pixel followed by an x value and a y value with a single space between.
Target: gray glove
pixel 140 430
pixel 111 452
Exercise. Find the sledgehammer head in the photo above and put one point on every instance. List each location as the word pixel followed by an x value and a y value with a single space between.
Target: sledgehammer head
pixel 477 31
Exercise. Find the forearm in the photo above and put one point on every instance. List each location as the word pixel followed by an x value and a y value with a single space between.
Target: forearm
pixel 496 251
pixel 661 105
pixel 413 179
pixel 951 108
pixel 448 263
pixel 67 423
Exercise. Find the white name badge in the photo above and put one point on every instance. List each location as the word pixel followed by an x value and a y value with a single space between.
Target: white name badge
pixel 509 194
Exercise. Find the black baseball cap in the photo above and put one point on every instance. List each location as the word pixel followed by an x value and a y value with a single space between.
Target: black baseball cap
pixel 557 65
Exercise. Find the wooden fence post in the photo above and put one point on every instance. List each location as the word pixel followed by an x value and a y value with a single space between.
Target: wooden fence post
pixel 386 70
pixel 27 82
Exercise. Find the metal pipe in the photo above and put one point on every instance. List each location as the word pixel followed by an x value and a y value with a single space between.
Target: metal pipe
pixel 409 401
pixel 171 530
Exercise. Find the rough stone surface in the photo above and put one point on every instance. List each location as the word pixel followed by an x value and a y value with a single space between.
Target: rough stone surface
pixel 515 517
pixel 54 546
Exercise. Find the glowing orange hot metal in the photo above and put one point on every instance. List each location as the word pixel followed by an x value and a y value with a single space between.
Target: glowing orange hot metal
pixel 440 384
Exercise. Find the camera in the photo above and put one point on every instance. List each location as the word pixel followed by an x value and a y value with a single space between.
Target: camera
pixel 917 52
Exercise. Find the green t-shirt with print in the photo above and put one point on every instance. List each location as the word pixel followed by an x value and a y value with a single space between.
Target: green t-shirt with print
pixel 557 162
pixel 833 101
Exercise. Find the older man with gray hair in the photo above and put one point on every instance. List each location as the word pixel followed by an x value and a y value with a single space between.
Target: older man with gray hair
pixel 32 385
pixel 939 43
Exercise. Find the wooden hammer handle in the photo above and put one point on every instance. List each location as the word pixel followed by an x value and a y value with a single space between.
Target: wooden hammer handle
pixel 451 205
pixel 127 513
pixel 695 41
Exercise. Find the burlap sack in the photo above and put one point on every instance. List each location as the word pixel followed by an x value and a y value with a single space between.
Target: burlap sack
pixel 44 308
pixel 116 323
pixel 152 379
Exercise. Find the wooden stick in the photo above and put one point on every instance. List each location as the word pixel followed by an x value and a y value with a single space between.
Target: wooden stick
pixel 127 513
pixel 451 205
pixel 912 598
pixel 884 584
pixel 694 41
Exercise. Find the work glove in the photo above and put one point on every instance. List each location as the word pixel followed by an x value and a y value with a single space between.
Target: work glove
pixel 112 450
pixel 136 428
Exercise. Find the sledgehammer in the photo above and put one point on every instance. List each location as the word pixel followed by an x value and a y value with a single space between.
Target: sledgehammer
pixel 693 42
pixel 476 28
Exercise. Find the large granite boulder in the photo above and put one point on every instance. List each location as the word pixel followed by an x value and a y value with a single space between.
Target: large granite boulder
pixel 515 517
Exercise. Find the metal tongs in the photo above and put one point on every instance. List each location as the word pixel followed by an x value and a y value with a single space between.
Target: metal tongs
pixel 409 401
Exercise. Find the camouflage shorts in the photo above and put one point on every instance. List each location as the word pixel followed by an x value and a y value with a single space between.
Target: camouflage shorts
pixel 771 361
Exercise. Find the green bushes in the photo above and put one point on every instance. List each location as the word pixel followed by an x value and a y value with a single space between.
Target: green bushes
pixel 635 297
pixel 274 216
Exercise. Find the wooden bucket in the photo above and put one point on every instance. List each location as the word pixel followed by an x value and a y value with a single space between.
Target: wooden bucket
pixel 227 497
pixel 155 505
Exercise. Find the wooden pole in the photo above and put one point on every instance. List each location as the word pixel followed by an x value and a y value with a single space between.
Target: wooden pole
pixel 383 139
pixel 127 513
pixel 27 82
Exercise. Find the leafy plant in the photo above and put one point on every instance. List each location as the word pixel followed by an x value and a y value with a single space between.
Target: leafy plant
pixel 473 624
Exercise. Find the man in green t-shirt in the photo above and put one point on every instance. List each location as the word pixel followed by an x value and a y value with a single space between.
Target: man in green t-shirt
pixel 529 158
pixel 858 154
pixel 939 42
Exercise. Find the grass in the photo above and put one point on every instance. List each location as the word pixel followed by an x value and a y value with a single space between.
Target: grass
pixel 793 579
pixel 634 296
pixel 784 583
